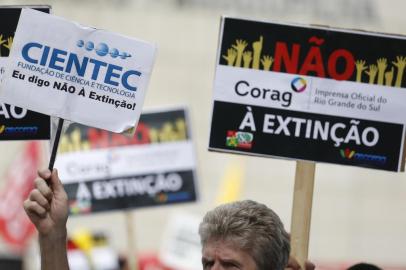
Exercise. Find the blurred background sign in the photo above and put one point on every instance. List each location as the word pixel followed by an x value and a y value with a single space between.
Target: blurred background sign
pixel 105 171
pixel 87 250
pixel 181 248
pixel 18 123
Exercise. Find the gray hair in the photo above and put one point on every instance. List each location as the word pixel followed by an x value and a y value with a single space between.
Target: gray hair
pixel 253 228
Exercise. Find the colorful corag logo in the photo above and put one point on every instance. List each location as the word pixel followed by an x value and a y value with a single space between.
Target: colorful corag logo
pixel 239 139
pixel 298 84
pixel 102 49
pixel 80 207
pixel 362 158
pixel 347 153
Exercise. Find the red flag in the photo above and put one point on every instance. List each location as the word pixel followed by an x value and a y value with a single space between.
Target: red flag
pixel 15 227
pixel 150 262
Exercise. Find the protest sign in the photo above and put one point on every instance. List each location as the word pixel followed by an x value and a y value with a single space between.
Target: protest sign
pixel 310 93
pixel 91 251
pixel 15 226
pixel 106 171
pixel 18 123
pixel 78 73
pixel 181 248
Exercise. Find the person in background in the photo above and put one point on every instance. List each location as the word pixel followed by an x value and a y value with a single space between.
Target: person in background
pixel 243 235
pixel 364 266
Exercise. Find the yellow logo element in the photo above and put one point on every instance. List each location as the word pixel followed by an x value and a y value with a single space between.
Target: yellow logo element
pixel 6 42
pixel 2 128
pixel 381 71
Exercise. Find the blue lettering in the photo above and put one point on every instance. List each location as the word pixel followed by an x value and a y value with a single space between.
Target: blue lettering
pixel 70 62
pixel 56 59
pixel 126 75
pixel 25 50
pixel 370 158
pixel 80 67
pixel 97 65
pixel 44 57
pixel 110 74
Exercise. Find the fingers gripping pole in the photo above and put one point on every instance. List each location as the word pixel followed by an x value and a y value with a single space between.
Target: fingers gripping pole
pixel 55 145
pixel 302 210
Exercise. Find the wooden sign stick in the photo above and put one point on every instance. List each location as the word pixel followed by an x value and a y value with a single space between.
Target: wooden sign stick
pixel 131 249
pixel 302 210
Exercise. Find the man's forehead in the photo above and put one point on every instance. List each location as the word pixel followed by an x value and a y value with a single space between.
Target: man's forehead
pixel 218 244
pixel 227 253
pixel 225 249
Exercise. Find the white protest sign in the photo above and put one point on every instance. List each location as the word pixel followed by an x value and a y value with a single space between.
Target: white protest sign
pixel 86 75
pixel 2 69
pixel 77 260
pixel 181 248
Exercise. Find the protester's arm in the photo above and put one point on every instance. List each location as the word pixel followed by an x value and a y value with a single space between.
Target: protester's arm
pixel 47 207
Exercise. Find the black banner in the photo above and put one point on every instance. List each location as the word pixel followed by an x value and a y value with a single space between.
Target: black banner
pixel 314 51
pixel 131 192
pixel 273 132
pixel 17 123
pixel 154 127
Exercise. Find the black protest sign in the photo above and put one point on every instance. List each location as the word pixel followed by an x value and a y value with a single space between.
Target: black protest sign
pixel 18 123
pixel 313 51
pixel 131 192
pixel 105 171
pixel 309 93
pixel 305 136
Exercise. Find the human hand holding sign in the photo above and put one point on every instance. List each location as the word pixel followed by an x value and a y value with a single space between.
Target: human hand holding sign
pixel 47 208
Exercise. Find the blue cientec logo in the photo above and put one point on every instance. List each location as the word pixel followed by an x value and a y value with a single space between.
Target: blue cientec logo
pixel 102 49
pixel 75 64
